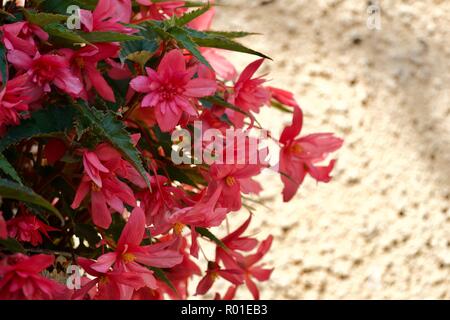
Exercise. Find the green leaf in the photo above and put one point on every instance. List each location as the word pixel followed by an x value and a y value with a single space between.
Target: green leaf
pixel 191 15
pixel 185 40
pixel 15 191
pixel 7 168
pixel 12 245
pixel 96 37
pixel 107 126
pixel 45 122
pixel 231 34
pixel 280 107
pixel 206 233
pixel 136 49
pixel 43 19
pixel 61 34
pixel 211 40
pixel 3 65
pixel 161 275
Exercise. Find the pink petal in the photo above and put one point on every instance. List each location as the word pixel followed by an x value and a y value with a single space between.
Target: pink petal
pixel 141 84
pixel 134 230
pixel 19 59
pixel 250 70
pixel 104 262
pixel 100 84
pixel 100 213
pixel 82 191
pixel 198 88
pixel 173 61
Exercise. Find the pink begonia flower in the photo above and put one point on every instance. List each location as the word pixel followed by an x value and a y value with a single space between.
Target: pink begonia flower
pixel 248 93
pixel 180 274
pixel 46 70
pixel 108 17
pixel 205 213
pixel 215 271
pixel 21 279
pixel 108 285
pixel 158 202
pixel 102 167
pixel 3 229
pixel 84 65
pixel 235 241
pixel 236 178
pixel 20 36
pixel 28 228
pixel 247 264
pixel 14 101
pixel 298 157
pixel 160 10
pixel 170 89
pixel 129 257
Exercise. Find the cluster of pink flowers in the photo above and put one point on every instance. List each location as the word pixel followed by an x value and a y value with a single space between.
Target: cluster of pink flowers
pixel 160 218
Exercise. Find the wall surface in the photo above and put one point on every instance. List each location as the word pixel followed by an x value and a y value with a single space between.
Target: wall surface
pixel 381 229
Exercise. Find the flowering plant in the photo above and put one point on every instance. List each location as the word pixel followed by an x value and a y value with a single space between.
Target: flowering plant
pixel 100 102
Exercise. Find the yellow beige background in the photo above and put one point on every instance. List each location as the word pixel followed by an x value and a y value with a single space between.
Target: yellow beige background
pixel 381 229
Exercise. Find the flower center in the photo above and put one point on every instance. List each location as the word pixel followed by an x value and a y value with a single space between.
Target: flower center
pixel 95 187
pixel 128 257
pixel 214 275
pixel 230 181
pixel 178 228
pixel 104 280
pixel 296 148
pixel 80 62
pixel 170 91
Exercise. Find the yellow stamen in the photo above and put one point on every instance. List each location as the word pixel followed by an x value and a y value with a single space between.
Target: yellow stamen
pixel 214 275
pixel 230 181
pixel 104 280
pixel 297 148
pixel 95 187
pixel 128 257
pixel 178 228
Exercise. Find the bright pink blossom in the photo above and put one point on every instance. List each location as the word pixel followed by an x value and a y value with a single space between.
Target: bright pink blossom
pixel 171 89
pixel 107 16
pixel 129 257
pixel 21 279
pixel 215 271
pixel 102 167
pixel 84 64
pixel 108 285
pixel 28 228
pixel 299 157
pixel 235 241
pixel 248 93
pixel 13 101
pixel 151 10
pixel 232 180
pixel 205 213
pixel 249 265
pixel 21 36
pixel 44 70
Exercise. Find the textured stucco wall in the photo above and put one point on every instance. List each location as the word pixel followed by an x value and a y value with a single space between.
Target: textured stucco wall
pixel 381 229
